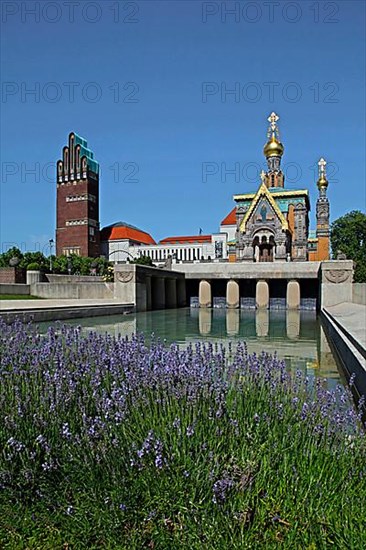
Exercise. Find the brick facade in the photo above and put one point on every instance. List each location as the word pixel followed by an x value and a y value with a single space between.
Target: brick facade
pixel 77 229
pixel 11 275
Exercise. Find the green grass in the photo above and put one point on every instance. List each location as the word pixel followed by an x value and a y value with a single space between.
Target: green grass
pixel 18 297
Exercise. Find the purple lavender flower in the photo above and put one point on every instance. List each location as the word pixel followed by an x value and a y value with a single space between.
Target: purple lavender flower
pixel 159 463
pixel 176 423
pixel 221 489
pixel 66 431
pixel 190 431
pixel 18 446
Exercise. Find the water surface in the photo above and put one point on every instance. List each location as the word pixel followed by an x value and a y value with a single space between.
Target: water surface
pixel 296 336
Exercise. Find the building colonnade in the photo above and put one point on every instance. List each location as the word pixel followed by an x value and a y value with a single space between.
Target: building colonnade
pixel 187 254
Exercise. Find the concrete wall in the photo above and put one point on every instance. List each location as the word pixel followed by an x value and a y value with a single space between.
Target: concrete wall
pixel 53 278
pixel 240 270
pixel 15 288
pixel 82 291
pixel 34 276
pixel 359 293
pixel 336 282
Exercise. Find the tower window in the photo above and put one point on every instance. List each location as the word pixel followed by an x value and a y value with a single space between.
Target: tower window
pixel 71 250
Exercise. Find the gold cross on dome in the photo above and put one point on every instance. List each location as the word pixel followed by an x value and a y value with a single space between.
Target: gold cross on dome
pixel 322 164
pixel 273 128
pixel 273 117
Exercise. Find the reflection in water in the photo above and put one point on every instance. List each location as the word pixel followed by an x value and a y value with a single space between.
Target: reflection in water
pixel 126 324
pixel 205 321
pixel 293 323
pixel 295 336
pixel 262 322
pixel 232 322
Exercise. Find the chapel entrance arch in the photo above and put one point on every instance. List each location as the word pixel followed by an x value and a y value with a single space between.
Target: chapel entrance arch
pixel 264 246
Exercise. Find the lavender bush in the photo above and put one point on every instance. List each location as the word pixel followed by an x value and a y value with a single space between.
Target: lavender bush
pixel 110 443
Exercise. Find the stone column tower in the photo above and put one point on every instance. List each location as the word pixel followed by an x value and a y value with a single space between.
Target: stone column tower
pixel 77 230
pixel 273 151
pixel 300 242
pixel 322 213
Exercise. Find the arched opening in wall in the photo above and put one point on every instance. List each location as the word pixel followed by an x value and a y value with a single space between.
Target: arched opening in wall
pixel 192 290
pixel 247 288
pixel 309 294
pixel 218 290
pixel 277 293
pixel 266 250
pixel 264 246
pixel 256 243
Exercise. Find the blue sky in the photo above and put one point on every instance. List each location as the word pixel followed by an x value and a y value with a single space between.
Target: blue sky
pixel 150 92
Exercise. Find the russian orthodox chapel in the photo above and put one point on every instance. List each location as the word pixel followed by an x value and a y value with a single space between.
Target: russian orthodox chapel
pixel 273 223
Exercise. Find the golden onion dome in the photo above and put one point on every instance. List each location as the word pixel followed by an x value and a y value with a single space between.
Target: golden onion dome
pixel 273 147
pixel 322 181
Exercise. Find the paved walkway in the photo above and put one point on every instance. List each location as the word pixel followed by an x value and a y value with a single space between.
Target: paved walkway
pixel 352 319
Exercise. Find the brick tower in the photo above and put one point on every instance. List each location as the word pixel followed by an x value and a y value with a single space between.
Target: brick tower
pixel 77 230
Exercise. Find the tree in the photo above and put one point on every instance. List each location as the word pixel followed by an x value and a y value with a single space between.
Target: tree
pixel 60 264
pixel 348 235
pixel 79 265
pixel 34 257
pixel 5 257
pixel 24 259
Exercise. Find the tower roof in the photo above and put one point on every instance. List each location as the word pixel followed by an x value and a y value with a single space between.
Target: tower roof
pixel 76 159
pixel 88 153
pixel 273 147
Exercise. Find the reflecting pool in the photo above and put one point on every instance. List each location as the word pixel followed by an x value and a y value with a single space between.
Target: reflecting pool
pixel 296 336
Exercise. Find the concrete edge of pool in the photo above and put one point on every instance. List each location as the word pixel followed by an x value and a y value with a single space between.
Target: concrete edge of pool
pixel 345 328
pixel 60 310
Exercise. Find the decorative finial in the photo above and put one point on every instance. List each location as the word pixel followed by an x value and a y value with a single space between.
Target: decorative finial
pixel 322 180
pixel 263 176
pixel 273 128
pixel 273 147
pixel 322 164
